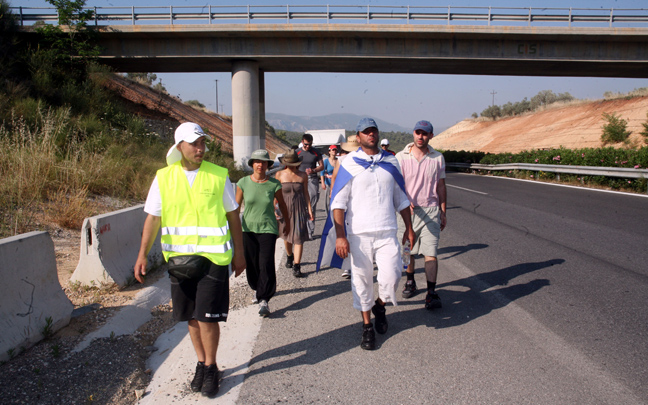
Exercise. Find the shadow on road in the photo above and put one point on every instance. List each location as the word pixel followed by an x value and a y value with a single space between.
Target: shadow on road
pixel 460 307
pixel 475 296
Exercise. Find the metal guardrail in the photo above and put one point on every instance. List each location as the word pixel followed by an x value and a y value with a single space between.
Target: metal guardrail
pixel 581 170
pixel 621 172
pixel 248 14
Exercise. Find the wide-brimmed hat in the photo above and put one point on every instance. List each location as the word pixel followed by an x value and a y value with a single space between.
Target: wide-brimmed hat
pixel 261 154
pixel 187 132
pixel 351 144
pixel 291 158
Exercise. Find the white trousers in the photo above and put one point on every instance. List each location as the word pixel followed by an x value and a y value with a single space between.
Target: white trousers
pixel 383 247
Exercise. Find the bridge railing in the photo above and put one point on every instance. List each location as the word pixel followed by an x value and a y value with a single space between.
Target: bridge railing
pixel 450 15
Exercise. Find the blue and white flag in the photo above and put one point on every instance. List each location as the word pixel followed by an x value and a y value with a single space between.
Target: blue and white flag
pixel 351 166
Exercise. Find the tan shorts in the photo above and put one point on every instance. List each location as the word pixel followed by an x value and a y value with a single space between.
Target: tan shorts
pixel 427 228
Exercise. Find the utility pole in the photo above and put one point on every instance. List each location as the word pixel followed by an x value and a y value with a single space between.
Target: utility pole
pixel 216 96
pixel 493 93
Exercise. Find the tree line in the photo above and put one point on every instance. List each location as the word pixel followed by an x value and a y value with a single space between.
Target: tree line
pixel 542 99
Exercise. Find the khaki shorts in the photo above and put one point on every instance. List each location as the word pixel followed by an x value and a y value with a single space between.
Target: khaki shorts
pixel 427 228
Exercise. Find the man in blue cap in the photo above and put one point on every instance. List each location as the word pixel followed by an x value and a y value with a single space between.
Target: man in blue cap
pixel 369 188
pixel 424 172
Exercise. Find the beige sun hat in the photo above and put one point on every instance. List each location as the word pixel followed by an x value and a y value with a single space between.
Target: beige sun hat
pixel 351 144
pixel 291 158
pixel 261 154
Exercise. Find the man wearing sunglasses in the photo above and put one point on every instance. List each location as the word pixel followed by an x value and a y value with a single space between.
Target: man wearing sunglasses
pixel 312 163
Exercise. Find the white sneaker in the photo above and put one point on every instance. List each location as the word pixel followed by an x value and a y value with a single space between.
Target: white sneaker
pixel 346 274
pixel 255 300
pixel 264 309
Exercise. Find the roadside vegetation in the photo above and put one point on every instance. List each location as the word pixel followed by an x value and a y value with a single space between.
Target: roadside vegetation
pixel 545 99
pixel 65 140
pixel 602 157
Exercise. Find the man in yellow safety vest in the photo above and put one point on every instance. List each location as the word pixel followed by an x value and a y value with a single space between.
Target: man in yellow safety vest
pixel 194 204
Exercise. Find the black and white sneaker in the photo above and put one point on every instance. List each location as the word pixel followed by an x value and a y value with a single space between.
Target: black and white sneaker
pixel 264 309
pixel 410 289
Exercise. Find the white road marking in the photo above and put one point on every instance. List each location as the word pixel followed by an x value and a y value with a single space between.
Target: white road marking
pixel 557 185
pixel 466 189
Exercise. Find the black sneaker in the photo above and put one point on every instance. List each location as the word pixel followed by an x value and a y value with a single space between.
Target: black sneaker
pixel 297 270
pixel 410 289
pixel 210 383
pixel 432 301
pixel 197 382
pixel 289 261
pixel 381 317
pixel 368 338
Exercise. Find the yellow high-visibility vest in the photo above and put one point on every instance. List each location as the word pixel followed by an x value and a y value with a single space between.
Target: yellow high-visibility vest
pixel 193 218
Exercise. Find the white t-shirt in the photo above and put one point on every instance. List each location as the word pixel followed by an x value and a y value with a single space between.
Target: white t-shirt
pixel 153 204
pixel 371 200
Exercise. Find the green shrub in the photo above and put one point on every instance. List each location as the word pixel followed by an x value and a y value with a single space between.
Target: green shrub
pixel 615 130
pixel 644 131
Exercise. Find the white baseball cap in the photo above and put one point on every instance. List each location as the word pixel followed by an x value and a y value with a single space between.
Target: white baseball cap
pixel 384 142
pixel 187 132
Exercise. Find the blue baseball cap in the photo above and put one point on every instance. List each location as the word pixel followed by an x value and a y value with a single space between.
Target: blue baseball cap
pixel 366 123
pixel 425 126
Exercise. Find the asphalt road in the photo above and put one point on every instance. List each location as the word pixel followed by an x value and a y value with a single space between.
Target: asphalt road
pixel 545 301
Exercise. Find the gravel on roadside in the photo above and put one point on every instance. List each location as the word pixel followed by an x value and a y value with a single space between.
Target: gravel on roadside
pixel 109 371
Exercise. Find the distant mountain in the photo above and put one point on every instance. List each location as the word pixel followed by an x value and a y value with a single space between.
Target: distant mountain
pixel 331 121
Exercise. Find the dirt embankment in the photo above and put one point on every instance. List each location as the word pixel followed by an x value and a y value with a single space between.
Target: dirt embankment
pixel 571 126
pixel 160 104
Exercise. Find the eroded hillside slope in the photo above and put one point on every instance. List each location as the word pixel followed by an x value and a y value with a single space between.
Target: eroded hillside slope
pixel 218 126
pixel 572 126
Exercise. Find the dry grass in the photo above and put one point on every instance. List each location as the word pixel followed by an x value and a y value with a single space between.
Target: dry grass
pixel 43 184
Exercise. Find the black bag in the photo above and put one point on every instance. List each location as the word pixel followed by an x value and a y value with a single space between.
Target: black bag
pixel 189 267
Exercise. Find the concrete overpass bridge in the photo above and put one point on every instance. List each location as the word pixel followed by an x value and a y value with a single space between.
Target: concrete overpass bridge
pixel 523 42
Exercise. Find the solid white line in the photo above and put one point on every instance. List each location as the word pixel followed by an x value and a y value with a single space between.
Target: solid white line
pixel 554 184
pixel 466 189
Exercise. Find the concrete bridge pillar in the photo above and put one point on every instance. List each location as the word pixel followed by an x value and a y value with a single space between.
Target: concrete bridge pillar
pixel 245 110
pixel 262 132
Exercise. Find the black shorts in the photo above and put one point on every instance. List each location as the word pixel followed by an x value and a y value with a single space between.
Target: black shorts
pixel 206 299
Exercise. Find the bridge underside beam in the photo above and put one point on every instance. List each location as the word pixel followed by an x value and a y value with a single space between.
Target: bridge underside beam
pixel 380 49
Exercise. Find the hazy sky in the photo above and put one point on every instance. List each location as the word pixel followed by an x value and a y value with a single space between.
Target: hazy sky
pixel 401 99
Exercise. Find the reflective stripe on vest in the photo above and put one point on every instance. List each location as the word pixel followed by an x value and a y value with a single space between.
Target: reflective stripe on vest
pixel 195 230
pixel 190 249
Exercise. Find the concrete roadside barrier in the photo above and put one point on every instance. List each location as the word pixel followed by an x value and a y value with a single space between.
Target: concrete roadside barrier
pixel 109 246
pixel 32 303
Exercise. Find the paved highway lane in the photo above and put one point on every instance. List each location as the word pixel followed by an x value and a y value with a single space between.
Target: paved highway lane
pixel 588 247
pixel 544 291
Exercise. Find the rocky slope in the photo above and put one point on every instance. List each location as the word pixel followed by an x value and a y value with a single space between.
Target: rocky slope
pixel 154 103
pixel 572 126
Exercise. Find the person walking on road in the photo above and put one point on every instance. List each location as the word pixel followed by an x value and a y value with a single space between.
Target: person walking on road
pixel 294 185
pixel 327 174
pixel 312 163
pixel 260 228
pixel 369 187
pixel 193 202
pixel 384 145
pixel 424 173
